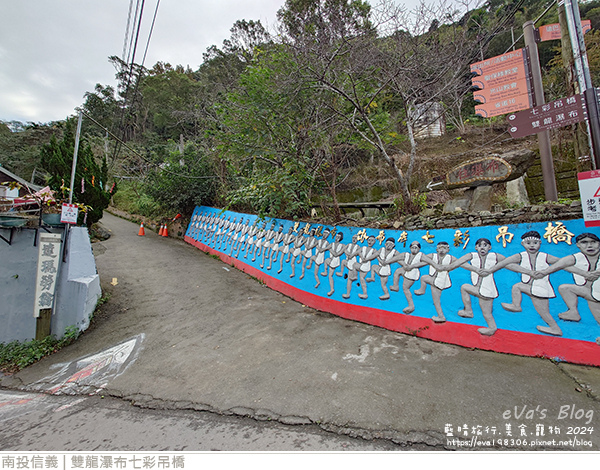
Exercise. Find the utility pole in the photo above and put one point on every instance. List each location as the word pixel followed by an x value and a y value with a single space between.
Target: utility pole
pixel 582 141
pixel 582 69
pixel 550 191
pixel 72 187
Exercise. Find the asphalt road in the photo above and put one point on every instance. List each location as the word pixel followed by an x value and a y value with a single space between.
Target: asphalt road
pixel 37 421
pixel 183 331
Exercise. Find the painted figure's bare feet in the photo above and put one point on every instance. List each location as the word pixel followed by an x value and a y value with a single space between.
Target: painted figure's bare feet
pixel 569 315
pixel 487 331
pixel 465 313
pixel 510 307
pixel 555 331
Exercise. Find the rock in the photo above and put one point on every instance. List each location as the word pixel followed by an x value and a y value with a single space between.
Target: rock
pixel 516 192
pixel 482 199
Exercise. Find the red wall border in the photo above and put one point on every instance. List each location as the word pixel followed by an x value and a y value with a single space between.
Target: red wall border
pixel 503 341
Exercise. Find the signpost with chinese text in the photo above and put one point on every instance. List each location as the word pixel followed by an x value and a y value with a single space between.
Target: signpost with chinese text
pixel 503 82
pixel 558 113
pixel 550 32
pixel 47 271
pixel 589 190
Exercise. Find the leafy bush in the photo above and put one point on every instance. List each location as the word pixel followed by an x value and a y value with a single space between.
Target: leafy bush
pixel 56 158
pixel 16 355
pixel 183 182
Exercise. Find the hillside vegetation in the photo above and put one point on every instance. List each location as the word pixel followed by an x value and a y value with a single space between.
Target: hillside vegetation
pixel 320 110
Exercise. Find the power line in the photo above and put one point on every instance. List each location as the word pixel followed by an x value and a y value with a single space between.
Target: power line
pixel 157 165
pixel 150 33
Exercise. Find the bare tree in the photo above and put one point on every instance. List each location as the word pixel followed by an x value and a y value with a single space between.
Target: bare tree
pixel 379 65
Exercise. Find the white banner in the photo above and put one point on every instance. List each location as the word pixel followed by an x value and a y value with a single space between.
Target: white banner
pixel 47 271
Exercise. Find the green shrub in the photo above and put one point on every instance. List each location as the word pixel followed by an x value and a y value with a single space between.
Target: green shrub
pixel 16 355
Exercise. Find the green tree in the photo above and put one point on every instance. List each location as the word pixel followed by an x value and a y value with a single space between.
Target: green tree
pixel 91 179
pixel 183 181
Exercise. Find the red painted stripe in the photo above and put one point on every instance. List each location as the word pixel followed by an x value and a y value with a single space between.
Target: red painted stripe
pixel 503 341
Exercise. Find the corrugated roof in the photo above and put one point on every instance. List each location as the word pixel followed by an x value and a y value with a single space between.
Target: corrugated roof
pixel 32 187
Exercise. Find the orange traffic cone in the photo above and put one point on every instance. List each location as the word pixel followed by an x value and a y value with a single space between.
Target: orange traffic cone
pixel 141 233
pixel 160 232
pixel 165 232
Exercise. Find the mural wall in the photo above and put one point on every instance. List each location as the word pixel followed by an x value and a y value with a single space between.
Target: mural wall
pixel 528 289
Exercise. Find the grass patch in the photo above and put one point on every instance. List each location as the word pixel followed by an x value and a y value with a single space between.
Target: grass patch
pixel 16 355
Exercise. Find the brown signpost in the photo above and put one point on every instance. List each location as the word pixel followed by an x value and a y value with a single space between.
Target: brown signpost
pixel 558 113
pixel 503 83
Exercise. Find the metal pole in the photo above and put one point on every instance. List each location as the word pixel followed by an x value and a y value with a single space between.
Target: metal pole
pixel 549 179
pixel 75 157
pixel 582 69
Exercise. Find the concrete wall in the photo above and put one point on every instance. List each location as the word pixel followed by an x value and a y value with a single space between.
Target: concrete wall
pixel 77 291
pixel 547 323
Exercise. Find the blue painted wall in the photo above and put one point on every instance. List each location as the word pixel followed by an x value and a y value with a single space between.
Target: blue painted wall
pixel 558 239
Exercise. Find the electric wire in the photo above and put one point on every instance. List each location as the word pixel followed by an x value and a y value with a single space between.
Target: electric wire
pixel 142 157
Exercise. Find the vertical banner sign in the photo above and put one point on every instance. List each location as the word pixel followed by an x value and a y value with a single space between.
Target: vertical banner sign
pixel 47 271
pixel 589 190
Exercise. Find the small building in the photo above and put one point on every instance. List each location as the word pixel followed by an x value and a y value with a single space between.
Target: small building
pixel 429 120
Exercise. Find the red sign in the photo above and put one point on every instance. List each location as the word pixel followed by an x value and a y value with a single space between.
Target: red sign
pixel 589 190
pixel 550 32
pixel 559 113
pixel 499 62
pixel 510 89
pixel 503 83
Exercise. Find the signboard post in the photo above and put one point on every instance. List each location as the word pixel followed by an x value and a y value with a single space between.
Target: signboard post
pixel 503 82
pixel 47 271
pixel 589 190
pixel 558 113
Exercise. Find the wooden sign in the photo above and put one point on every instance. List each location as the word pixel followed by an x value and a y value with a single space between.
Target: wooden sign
pixel 504 106
pixel 483 171
pixel 47 271
pixel 558 113
pixel 504 91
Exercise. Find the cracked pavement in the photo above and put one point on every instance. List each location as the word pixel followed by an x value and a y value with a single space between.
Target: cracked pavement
pixel 212 339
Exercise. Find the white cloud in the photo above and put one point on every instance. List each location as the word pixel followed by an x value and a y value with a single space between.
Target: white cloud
pixel 52 53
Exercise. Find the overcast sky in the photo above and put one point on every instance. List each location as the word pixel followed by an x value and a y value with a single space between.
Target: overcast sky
pixel 53 52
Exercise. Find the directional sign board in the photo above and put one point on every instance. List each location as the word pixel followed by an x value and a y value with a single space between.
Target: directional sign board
pixel 551 32
pixel 589 190
pixel 559 113
pixel 503 83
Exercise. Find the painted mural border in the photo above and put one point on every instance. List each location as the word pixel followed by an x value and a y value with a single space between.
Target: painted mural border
pixel 467 335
